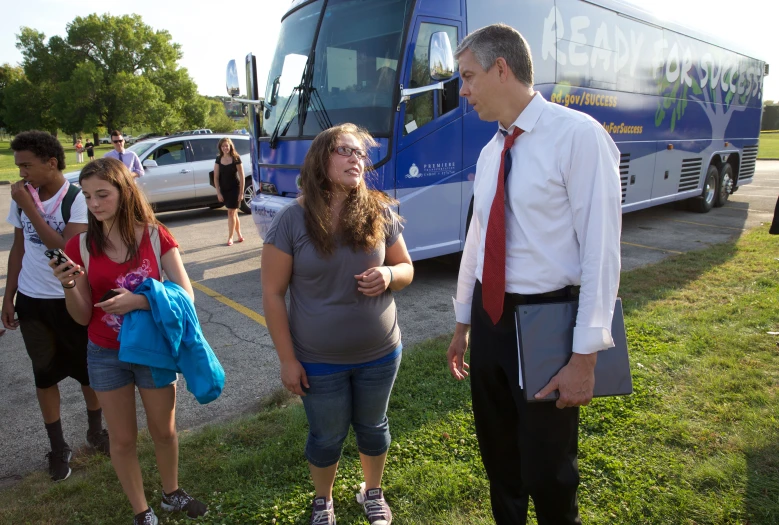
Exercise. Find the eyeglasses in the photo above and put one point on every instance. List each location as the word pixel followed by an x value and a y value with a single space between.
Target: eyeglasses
pixel 346 151
pixel 118 141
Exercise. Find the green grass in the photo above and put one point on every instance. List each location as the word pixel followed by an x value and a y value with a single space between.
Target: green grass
pixel 697 442
pixel 769 146
pixel 9 171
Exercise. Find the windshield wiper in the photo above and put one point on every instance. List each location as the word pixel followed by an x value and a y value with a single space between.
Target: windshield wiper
pixel 274 137
pixel 310 97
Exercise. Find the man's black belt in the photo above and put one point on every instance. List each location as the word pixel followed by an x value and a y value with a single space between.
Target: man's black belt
pixel 515 299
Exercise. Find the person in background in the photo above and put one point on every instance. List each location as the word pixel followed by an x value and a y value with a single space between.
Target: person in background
pixel 229 181
pixel 122 257
pixel 46 211
pixel 128 158
pixel 339 249
pixel 79 152
pixel 90 150
pixel 519 251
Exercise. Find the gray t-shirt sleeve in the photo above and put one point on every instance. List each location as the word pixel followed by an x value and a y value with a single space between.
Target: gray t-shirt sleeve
pixel 280 233
pixel 394 227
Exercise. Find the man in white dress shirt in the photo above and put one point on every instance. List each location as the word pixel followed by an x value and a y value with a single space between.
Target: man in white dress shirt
pixel 554 229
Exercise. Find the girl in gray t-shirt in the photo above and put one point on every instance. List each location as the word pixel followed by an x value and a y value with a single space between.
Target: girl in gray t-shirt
pixel 339 249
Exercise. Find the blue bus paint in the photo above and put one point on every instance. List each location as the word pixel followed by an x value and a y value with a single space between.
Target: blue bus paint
pixel 675 102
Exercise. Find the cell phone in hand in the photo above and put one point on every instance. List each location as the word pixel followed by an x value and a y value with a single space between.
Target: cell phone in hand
pixel 58 254
pixel 108 295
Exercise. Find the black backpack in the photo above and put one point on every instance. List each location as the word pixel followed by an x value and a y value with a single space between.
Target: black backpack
pixel 67 202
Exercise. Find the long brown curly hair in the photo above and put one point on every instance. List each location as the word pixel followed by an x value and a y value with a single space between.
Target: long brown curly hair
pixel 363 219
pixel 133 209
pixel 233 153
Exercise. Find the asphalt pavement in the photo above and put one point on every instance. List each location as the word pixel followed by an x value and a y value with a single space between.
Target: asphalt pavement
pixel 229 304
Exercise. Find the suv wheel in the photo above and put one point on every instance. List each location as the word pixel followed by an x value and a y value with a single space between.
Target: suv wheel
pixel 248 195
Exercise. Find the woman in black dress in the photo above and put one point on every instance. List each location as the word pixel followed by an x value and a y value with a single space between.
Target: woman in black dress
pixel 228 179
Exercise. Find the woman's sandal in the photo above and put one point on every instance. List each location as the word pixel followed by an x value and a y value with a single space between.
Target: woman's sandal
pixel 240 239
pixel 230 242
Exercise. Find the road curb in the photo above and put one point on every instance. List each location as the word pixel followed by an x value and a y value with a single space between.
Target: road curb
pixel 768 159
pixel 4 182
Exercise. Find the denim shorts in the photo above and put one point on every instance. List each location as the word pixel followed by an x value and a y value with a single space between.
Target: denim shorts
pixel 356 398
pixel 107 373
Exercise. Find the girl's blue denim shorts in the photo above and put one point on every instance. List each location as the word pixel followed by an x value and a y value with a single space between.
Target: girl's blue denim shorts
pixel 107 372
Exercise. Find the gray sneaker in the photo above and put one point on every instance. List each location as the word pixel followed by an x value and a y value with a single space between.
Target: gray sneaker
pixel 180 500
pixel 375 506
pixel 322 512
pixel 146 517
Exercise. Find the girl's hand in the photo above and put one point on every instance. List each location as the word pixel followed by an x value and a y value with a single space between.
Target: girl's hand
pixel 219 197
pixel 293 376
pixel 67 272
pixel 373 282
pixel 120 304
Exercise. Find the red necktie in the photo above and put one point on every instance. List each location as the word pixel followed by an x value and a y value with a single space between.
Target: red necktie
pixel 494 271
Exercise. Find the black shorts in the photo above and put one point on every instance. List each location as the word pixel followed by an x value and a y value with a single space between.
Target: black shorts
pixel 56 344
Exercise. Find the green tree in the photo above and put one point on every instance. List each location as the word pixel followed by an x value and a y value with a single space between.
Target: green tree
pixel 111 72
pixel 217 120
pixel 8 75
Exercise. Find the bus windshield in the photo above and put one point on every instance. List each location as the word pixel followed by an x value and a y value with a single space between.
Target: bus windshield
pixel 351 75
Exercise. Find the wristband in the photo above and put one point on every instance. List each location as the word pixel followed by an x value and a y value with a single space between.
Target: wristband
pixel 69 287
pixel 390 271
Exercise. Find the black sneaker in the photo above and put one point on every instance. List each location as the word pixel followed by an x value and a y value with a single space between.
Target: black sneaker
pixel 180 500
pixel 322 512
pixel 375 506
pixel 146 517
pixel 99 441
pixel 59 468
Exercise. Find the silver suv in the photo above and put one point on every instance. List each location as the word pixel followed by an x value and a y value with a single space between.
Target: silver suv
pixel 177 171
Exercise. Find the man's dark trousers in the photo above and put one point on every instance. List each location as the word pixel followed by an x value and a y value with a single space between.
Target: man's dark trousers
pixel 528 449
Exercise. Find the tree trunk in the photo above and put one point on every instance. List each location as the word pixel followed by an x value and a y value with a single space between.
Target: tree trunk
pixel 95 139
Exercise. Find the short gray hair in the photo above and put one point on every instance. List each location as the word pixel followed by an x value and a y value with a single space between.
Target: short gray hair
pixel 500 40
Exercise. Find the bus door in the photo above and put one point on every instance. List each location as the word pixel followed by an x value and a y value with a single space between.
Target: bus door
pixel 429 149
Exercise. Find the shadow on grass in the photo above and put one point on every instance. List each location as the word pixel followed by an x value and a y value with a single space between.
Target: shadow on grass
pixel 762 488
pixel 652 283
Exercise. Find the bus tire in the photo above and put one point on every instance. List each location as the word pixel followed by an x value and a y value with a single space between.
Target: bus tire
pixel 725 186
pixel 705 202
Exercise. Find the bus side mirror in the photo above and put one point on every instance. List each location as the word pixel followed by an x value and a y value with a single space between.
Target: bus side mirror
pixel 233 89
pixel 441 57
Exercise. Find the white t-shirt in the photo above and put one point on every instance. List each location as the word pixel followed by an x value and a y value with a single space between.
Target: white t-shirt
pixel 36 278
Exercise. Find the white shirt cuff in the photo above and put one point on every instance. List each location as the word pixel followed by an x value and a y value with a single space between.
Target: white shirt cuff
pixel 591 340
pixel 462 311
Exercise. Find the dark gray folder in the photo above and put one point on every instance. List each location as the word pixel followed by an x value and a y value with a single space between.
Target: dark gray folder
pixel 545 340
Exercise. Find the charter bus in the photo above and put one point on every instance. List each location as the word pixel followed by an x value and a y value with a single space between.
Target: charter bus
pixel 683 110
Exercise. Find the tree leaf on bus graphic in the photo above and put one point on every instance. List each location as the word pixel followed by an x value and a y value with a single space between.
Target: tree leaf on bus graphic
pixel 667 101
pixel 673 120
pixel 696 89
pixel 728 98
pixel 659 116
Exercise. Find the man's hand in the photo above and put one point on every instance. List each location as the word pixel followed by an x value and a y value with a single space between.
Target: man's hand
pixel 21 195
pixel 455 355
pixel 9 321
pixel 575 382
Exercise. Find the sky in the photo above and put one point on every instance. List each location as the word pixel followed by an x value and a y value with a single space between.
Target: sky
pixel 210 38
